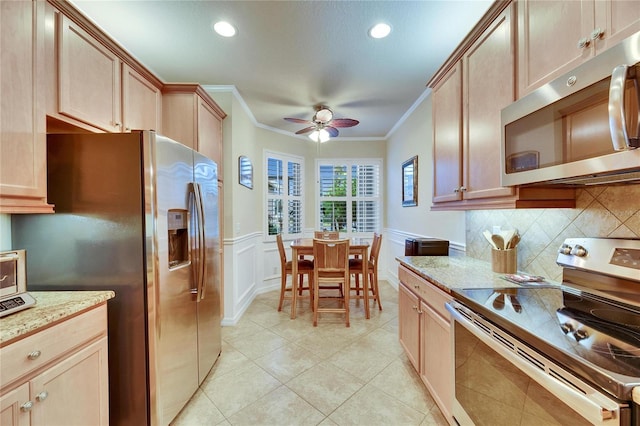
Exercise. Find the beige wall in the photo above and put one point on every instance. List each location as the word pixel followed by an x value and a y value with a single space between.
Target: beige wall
pixel 415 137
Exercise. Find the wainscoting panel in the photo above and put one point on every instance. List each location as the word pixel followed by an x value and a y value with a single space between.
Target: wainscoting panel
pixel 242 258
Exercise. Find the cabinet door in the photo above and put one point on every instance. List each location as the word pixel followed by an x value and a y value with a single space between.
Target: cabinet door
pixel 89 78
pixel 409 325
pixel 488 72
pixel 141 102
pixel 14 408
pixel 437 357
pixel 210 134
pixel 74 391
pixel 615 20
pixel 548 36
pixel 23 184
pixel 447 136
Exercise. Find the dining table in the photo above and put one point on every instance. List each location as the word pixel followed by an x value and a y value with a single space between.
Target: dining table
pixel 357 247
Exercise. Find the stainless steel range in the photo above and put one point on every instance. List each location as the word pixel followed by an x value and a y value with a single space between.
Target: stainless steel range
pixel 554 354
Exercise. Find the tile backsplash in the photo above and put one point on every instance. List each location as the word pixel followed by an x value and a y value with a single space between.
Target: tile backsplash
pixel 601 211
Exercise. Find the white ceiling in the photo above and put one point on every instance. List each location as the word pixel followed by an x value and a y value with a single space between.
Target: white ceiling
pixel 289 56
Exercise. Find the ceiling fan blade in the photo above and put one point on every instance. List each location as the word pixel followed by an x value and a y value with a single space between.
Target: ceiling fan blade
pixel 344 122
pixel 332 131
pixel 297 120
pixel 305 130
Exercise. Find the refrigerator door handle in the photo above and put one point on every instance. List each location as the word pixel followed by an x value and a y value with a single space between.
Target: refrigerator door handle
pixel 195 242
pixel 201 264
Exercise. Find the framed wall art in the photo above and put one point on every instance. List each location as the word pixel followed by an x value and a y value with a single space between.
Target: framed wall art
pixel 245 172
pixel 410 182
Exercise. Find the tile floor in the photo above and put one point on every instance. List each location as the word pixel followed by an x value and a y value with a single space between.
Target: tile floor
pixel 278 371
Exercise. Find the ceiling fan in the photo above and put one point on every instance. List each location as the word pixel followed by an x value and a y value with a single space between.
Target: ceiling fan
pixel 323 125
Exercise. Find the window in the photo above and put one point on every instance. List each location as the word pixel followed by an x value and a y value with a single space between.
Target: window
pixel 349 195
pixel 285 202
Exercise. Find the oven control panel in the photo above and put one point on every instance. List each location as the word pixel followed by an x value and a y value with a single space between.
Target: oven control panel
pixel 626 257
pixel 612 256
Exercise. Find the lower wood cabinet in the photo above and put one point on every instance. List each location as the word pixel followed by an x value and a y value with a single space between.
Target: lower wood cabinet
pixel 425 335
pixel 58 376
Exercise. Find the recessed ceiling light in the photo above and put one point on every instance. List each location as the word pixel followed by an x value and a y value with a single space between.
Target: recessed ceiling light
pixel 380 30
pixel 224 28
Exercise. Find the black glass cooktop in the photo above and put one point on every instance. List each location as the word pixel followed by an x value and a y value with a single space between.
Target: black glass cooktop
pixel 588 335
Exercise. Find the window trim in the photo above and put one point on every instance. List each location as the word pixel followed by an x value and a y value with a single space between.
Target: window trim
pixel 349 162
pixel 285 158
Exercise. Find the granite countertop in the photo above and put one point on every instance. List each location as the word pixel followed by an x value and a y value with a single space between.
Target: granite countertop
pixel 457 271
pixel 51 307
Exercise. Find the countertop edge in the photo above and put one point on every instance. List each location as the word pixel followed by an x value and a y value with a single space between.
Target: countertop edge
pixel 458 271
pixel 51 308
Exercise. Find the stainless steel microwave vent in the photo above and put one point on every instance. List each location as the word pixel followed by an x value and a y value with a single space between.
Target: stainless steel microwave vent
pixel 632 176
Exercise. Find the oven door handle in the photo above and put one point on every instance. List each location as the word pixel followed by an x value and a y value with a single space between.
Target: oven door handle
pixel 592 405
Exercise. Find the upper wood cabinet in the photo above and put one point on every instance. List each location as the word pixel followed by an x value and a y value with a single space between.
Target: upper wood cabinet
pixel 141 102
pixel 488 86
pixel 447 136
pixel 556 36
pixel 467 132
pixel 88 78
pixel 466 117
pixel 23 184
pixel 92 83
pixel 192 118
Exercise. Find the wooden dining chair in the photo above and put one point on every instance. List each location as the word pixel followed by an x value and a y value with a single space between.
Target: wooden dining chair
pixel 326 235
pixel 355 268
pixel 331 268
pixel 305 267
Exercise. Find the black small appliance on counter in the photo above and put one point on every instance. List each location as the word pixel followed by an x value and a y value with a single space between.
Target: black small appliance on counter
pixel 426 247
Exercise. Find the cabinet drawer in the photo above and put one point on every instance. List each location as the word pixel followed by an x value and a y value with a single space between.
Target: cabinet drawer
pixel 428 292
pixel 51 343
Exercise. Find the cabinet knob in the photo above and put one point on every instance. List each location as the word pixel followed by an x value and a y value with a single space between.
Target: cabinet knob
pixel 42 396
pixel 583 42
pixel 34 355
pixel 463 189
pixel 27 406
pixel 456 190
pixel 596 34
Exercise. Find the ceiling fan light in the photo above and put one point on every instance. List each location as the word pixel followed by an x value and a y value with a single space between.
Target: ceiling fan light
pixel 380 30
pixel 321 136
pixel 224 29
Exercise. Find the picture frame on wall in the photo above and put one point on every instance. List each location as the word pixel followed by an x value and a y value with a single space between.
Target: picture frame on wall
pixel 410 182
pixel 245 172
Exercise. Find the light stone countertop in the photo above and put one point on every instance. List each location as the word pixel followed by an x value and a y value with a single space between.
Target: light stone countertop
pixel 51 307
pixel 457 271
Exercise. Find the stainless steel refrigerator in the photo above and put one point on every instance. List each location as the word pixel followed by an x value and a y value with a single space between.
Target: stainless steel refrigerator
pixel 136 213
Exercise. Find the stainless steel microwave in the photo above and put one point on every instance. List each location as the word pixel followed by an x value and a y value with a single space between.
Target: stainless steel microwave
pixel 581 128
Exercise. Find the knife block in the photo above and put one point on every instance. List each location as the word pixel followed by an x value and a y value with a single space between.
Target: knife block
pixel 504 261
